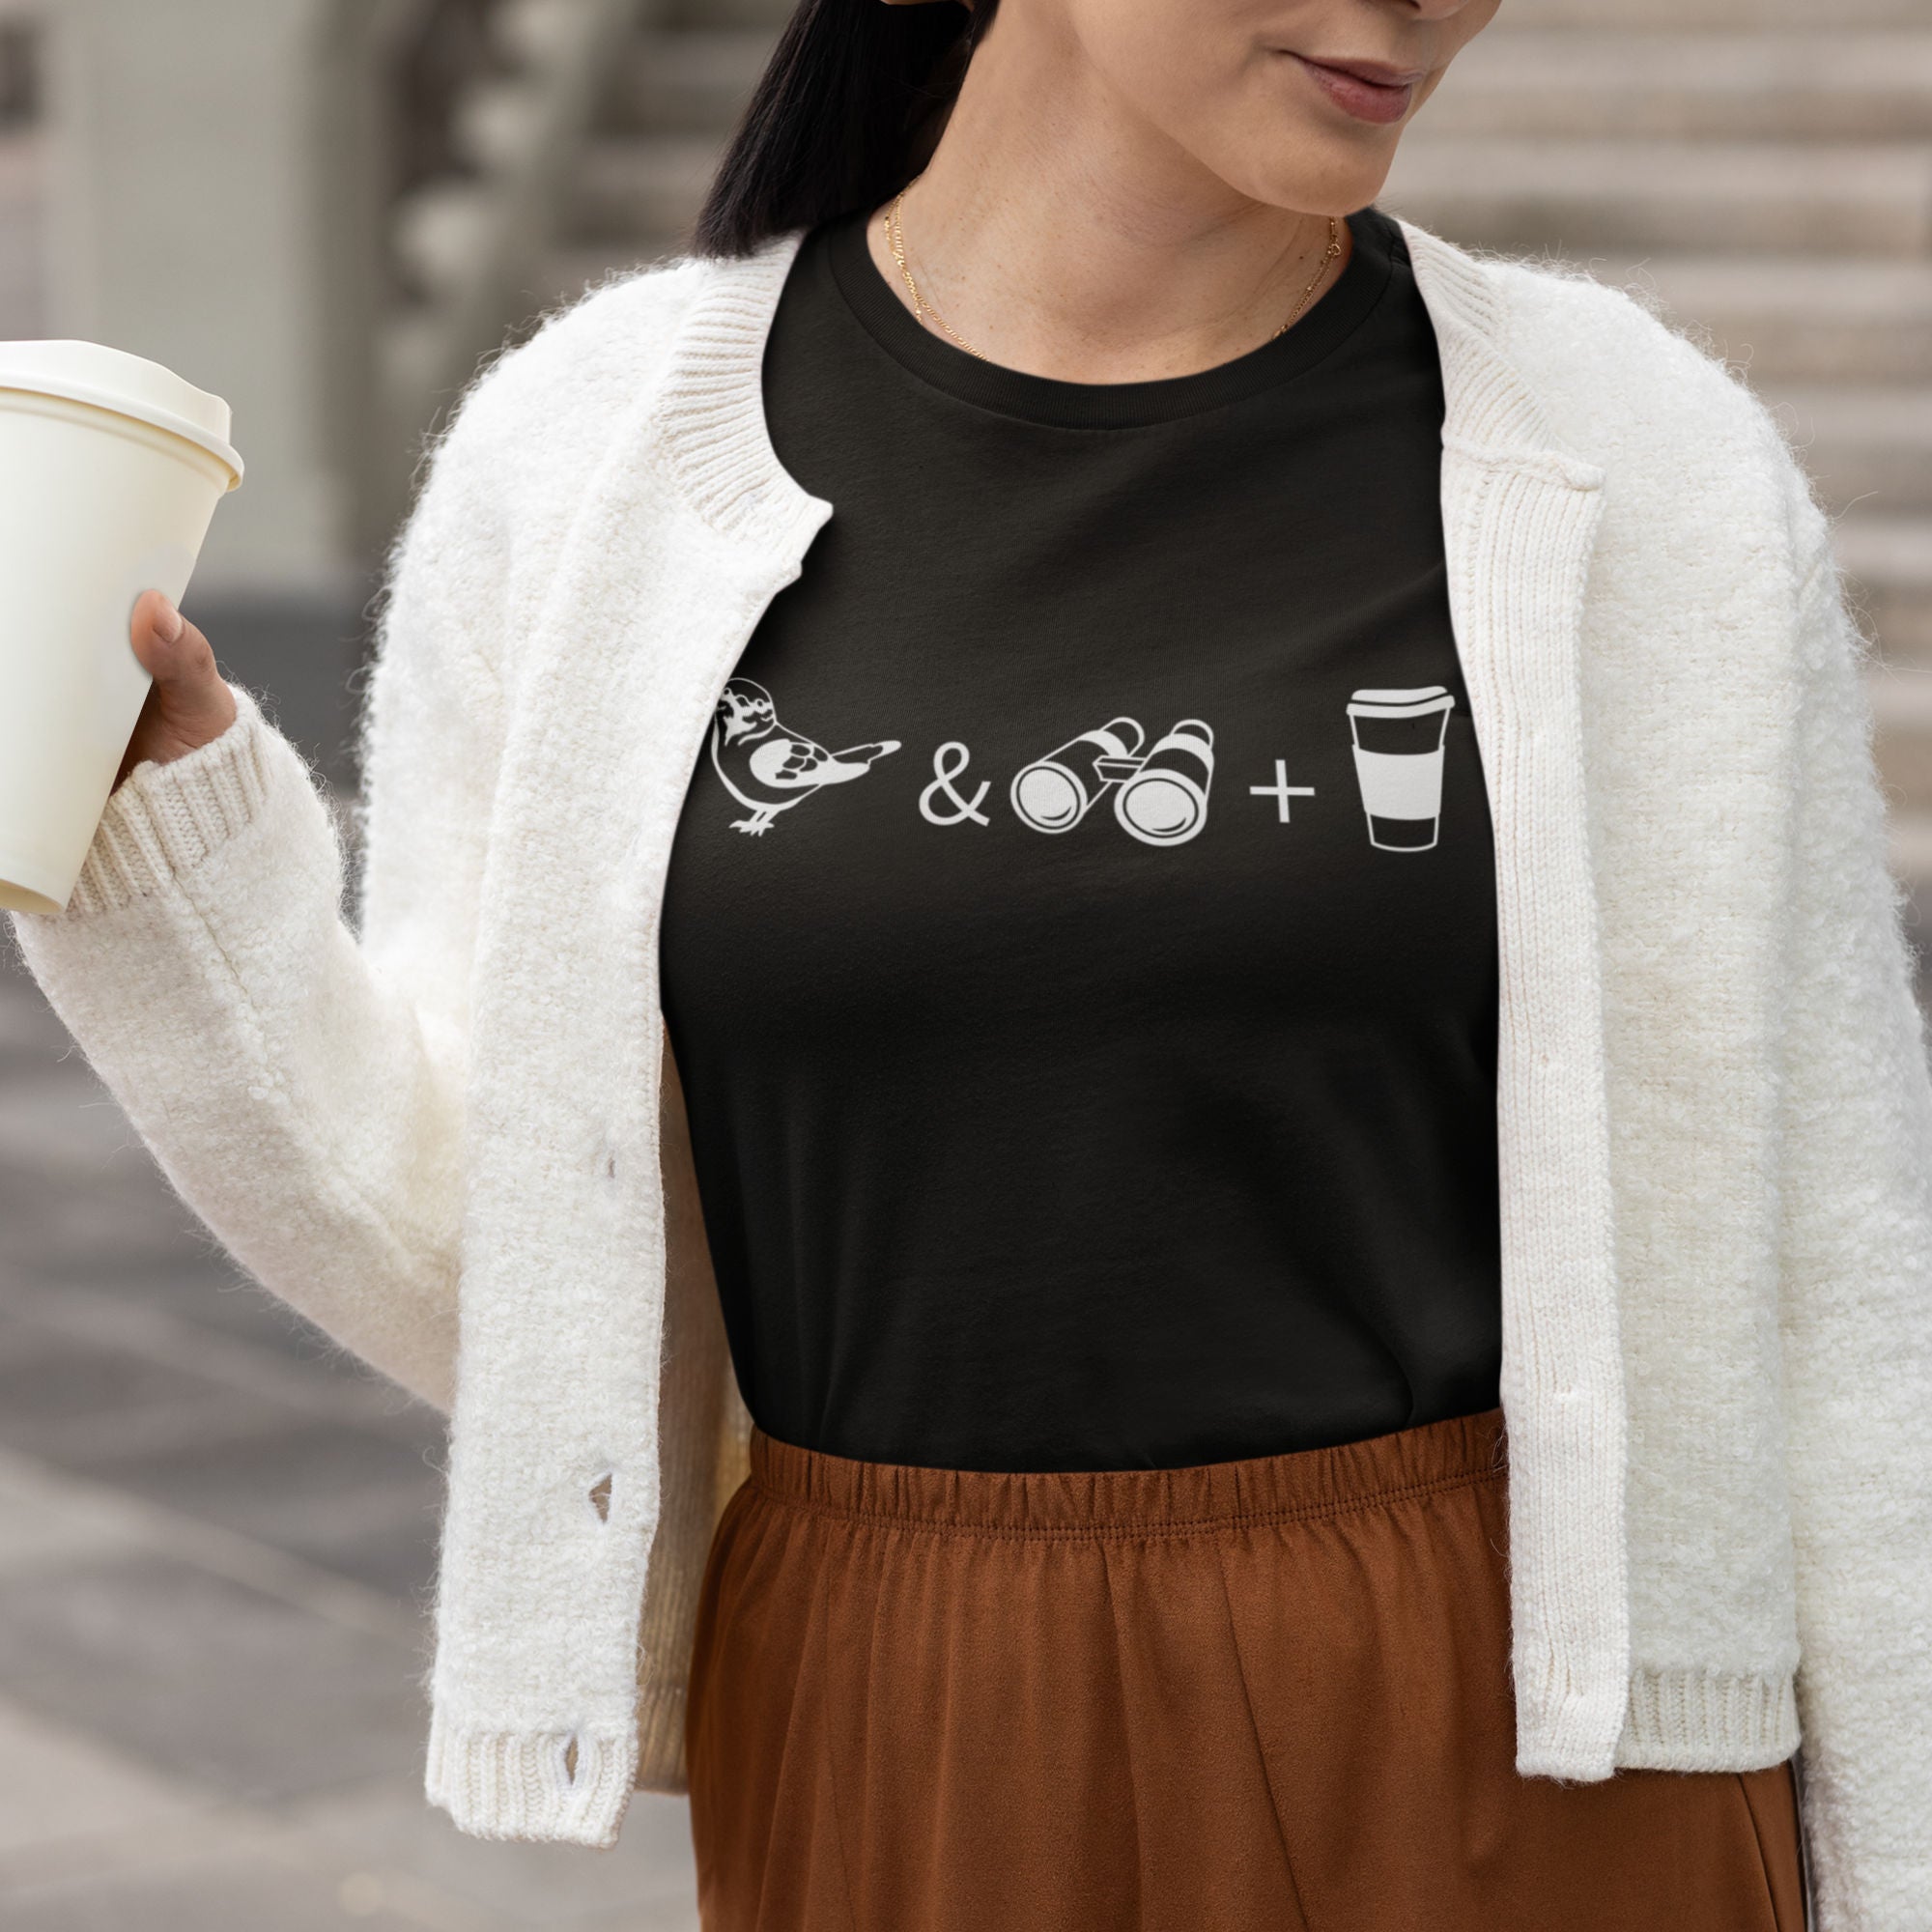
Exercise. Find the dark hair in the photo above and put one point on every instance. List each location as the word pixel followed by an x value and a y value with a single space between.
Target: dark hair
pixel 847 110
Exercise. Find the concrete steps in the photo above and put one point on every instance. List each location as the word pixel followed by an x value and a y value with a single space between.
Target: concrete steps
pixel 23 169
pixel 1793 319
pixel 687 81
pixel 1698 16
pixel 1872 444
pixel 1889 556
pixel 1902 703
pixel 762 15
pixel 1574 196
pixel 669 111
pixel 642 185
pixel 1874 85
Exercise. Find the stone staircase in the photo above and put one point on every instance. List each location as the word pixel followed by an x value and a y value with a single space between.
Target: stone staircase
pixel 1767 176
pixel 668 110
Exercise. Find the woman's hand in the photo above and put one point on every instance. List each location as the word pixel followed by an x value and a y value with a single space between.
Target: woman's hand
pixel 189 702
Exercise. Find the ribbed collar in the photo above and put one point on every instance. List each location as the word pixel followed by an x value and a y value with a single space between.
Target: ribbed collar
pixel 710 417
pixel 1489 406
pixel 710 412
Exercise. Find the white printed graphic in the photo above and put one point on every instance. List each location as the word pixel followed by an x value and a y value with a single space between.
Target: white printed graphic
pixel 1281 791
pixel 768 767
pixel 1399 739
pixel 942 775
pixel 1165 803
pixel 1160 795
pixel 1056 792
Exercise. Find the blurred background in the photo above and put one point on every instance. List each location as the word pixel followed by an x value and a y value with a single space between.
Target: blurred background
pixel 215 1541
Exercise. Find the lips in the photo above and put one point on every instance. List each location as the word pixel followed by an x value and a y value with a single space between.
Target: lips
pixel 1369 90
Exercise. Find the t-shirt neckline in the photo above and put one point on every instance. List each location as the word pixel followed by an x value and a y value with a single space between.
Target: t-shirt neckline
pixel 1051 401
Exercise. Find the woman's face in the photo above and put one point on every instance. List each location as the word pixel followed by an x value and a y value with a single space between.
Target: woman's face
pixel 1250 88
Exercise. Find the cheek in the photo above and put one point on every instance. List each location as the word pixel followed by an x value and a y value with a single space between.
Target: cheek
pixel 1166 61
pixel 1473 19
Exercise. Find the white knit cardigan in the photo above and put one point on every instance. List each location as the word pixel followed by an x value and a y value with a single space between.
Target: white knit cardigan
pixel 450 1134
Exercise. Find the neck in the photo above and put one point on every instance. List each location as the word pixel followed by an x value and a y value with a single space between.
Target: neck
pixel 1060 233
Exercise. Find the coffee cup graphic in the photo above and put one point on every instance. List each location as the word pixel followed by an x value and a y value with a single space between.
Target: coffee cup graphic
pixel 1165 801
pixel 1054 793
pixel 1399 739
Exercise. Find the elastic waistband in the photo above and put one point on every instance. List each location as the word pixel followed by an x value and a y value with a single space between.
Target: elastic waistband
pixel 1298 1483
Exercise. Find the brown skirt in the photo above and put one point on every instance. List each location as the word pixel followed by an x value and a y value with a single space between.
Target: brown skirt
pixel 1262 1696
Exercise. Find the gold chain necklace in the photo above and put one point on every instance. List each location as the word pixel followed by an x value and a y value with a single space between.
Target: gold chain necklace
pixel 924 310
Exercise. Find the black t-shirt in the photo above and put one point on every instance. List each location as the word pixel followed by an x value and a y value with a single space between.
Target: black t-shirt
pixel 1079 942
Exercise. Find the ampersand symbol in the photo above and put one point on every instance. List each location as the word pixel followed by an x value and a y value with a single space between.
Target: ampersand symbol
pixel 942 781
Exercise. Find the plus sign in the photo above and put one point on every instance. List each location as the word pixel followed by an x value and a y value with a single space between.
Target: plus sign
pixel 1281 791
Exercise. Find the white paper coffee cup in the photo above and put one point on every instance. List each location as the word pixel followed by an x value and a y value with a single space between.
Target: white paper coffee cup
pixel 110 468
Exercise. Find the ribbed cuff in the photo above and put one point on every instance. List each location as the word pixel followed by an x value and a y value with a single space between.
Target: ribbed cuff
pixel 166 818
pixel 1688 1719
pixel 509 1784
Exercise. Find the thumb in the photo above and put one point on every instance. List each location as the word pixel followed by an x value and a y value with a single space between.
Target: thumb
pixel 190 702
pixel 176 655
pixel 159 636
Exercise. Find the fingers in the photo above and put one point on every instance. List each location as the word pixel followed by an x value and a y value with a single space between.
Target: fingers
pixel 190 702
pixel 172 651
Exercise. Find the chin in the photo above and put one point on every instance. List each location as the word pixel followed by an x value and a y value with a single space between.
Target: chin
pixel 1289 160
pixel 1337 191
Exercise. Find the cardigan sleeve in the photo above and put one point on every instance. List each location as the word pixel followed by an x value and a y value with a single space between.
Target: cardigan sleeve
pixel 300 1083
pixel 1855 1312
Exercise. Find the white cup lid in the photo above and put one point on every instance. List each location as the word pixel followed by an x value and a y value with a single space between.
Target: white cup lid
pixel 130 386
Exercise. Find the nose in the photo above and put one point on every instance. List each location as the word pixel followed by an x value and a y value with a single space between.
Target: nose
pixel 1437 9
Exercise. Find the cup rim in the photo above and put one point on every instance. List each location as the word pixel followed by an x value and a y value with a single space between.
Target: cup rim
pixel 1404 706
pixel 70 389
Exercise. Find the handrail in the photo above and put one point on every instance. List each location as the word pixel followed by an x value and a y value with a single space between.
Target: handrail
pixel 468 240
pixel 20 63
pixel 431 55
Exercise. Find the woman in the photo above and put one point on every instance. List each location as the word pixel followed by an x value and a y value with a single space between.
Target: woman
pixel 1145 850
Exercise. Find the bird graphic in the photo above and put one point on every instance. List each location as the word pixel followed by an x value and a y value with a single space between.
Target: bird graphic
pixel 767 766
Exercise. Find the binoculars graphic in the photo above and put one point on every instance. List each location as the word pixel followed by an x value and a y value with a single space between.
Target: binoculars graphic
pixel 1160 795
